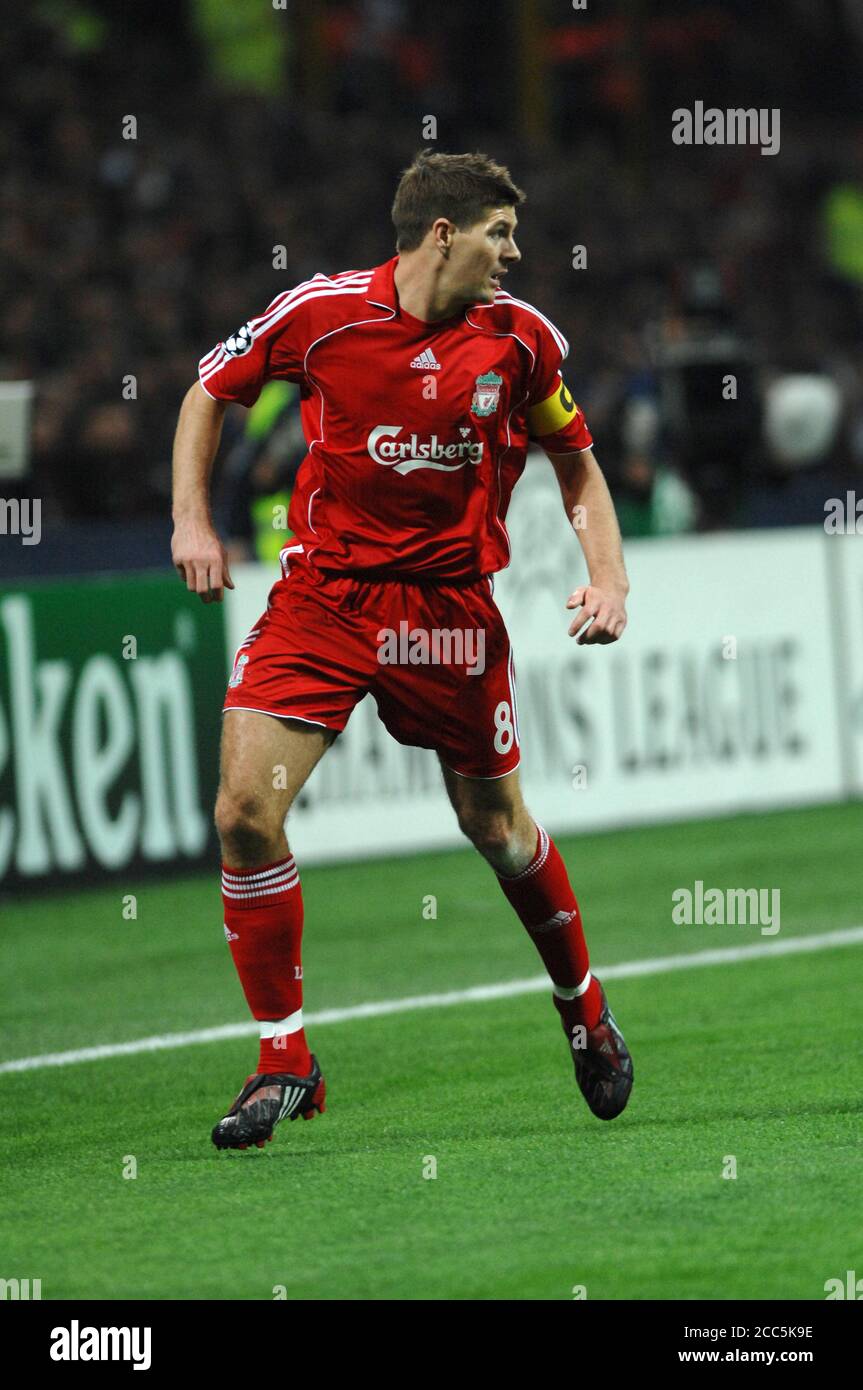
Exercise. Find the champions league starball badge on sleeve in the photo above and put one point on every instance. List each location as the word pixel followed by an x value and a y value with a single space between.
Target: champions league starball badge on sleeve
pixel 240 342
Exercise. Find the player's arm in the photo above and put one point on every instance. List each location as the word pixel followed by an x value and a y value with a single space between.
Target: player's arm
pixel 273 344
pixel 558 425
pixel 590 511
pixel 196 549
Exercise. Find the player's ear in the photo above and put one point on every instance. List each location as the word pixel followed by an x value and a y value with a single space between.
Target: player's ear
pixel 444 231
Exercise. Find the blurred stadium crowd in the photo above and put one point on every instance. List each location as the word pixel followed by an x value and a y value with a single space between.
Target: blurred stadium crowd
pixel 131 257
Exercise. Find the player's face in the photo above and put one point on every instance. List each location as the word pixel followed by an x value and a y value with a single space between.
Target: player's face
pixel 483 254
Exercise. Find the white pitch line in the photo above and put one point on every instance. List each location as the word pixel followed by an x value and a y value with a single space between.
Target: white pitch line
pixel 477 994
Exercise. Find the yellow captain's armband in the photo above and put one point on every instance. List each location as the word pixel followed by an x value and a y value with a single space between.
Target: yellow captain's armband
pixel 552 414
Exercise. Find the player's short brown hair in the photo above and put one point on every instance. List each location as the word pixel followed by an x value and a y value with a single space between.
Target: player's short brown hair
pixel 461 187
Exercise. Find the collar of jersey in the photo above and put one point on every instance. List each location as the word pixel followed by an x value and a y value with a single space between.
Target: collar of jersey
pixel 382 294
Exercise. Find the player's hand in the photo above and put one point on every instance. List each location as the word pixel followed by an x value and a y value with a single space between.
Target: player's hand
pixel 200 560
pixel 600 617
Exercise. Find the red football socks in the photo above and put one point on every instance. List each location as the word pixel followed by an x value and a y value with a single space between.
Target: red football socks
pixel 543 898
pixel 264 928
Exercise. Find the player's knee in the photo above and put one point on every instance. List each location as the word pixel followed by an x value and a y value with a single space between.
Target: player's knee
pixel 505 836
pixel 489 832
pixel 245 827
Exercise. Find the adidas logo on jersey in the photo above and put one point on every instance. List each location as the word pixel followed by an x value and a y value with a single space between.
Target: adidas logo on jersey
pixel 426 361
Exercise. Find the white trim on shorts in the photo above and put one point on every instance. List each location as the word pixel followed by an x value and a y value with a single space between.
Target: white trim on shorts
pixel 279 714
pixel 478 776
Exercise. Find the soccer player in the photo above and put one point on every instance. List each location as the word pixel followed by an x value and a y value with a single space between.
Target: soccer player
pixel 423 383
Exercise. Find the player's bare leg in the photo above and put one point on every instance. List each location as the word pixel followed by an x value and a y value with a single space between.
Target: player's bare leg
pixel 265 762
pixel 532 875
pixel 254 798
pixel 492 814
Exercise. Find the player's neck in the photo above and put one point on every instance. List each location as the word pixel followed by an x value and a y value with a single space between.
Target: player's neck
pixel 424 295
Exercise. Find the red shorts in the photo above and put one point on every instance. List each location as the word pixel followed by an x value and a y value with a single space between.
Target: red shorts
pixel 436 657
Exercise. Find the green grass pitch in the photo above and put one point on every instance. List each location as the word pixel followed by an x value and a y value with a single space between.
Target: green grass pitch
pixel 759 1060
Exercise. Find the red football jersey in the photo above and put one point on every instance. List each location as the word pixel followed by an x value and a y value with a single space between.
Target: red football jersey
pixel 417 432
